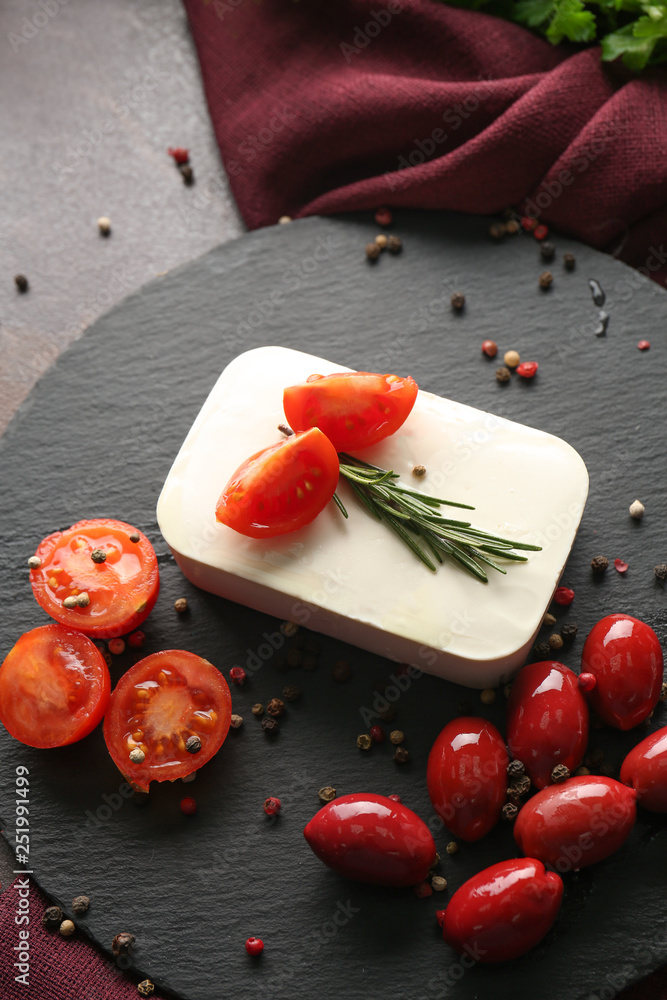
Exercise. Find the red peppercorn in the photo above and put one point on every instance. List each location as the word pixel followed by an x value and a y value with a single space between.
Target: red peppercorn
pixel 116 646
pixel 527 369
pixel 272 806
pixel 188 806
pixel 620 566
pixel 587 681
pixel 528 223
pixel 422 890
pixel 540 232
pixel 440 916
pixel 179 154
pixel 137 639
pixel 377 734
pixel 563 595
pixel 254 946
pixel 644 345
pixel 395 798
pixel 383 217
pixel 490 348
pixel 237 675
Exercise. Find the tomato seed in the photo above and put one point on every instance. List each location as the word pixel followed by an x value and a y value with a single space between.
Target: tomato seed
pixel 254 946
pixel 188 806
pixel 272 806
pixel 563 596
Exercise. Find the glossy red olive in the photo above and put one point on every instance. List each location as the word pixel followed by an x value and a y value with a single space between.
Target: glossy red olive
pixel 645 770
pixel 547 720
pixel 503 911
pixel 577 823
pixel 467 776
pixel 372 838
pixel 625 657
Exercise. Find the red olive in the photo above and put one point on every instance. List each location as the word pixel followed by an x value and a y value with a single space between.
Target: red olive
pixel 625 657
pixel 467 776
pixel 503 911
pixel 372 838
pixel 547 720
pixel 577 823
pixel 645 769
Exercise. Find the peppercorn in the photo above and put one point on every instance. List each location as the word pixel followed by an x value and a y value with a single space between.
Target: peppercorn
pixel 136 639
pixel 419 471
pixel 490 348
pixel 606 769
pixel 497 230
pixel 569 261
pixel 401 756
pixel 487 696
pixel 98 556
pixel 512 227
pixel 660 571
pixel 193 744
pixel 599 564
pixel 507 690
pixel 516 769
pixel 377 734
pixel 511 358
pixel 52 917
pixel 341 671
pixel 82 600
pixel 70 602
pixel 21 282
pixel 546 280
pixel 581 772
pixel 458 301
pixel 137 755
pixel 291 693
pixel 187 173
pixel 540 232
pixel 104 225
pixel 134 537
pixel 364 742
pixel 568 631
pixel 547 250
pixel 181 605
pixel 548 619
pixel 254 946
pixel 270 726
pixel 145 988
pixel 556 641
pixel 34 562
pixel 276 707
pixel 381 241
pixel 561 772
pixel 116 646
pixel 122 943
pixel 236 721
pixel 383 217
pixel 372 251
pixel 397 737
pixel 394 244
pixel 452 847
pixel 80 904
pixel 594 758
pixel 187 778
pixel 387 714
pixel 272 806
pixel 503 374
pixel 543 650
pixel 521 785
pixel 237 675
pixel 257 709
pixel 438 883
pixel 326 794
pixel 509 811
pixel 663 692
pixel 67 928
pixel 284 219
pixel 188 806
pixel 636 510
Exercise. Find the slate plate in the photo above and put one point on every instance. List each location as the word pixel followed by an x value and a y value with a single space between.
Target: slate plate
pixel 97 437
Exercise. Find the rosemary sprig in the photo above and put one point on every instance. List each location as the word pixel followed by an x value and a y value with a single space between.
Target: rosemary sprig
pixel 415 518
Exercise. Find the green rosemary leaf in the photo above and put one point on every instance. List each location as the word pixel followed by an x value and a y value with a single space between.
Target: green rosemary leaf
pixel 410 542
pixel 359 493
pixel 341 506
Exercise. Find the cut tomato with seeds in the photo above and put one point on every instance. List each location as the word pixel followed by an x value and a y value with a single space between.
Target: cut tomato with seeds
pixel 54 687
pixel 282 488
pixel 157 706
pixel 353 409
pixel 99 598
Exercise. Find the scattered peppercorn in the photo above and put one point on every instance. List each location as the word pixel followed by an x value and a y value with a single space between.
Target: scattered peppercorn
pixel 543 650
pixel 67 928
pixel 372 251
pixel 98 556
pixel 270 726
pixel 599 564
pixel 568 631
pixel 516 769
pixel 511 358
pixel 527 369
pixel 548 619
pixel 236 721
pixel 82 599
pixel 401 755
pixel 137 755
pixel 394 244
pixel 587 681
pixel 503 374
pixel 621 566
pixel 521 784
pixel 180 154
pixel 556 641
pixel 326 794
pixel 569 261
pixel 581 772
pixel 181 605
pixel 80 904
pixel 284 219
pixel 547 250
pixel 104 225
pixel 377 734
pixel 643 345
pixel 438 883
pixel 145 988
pixel 636 510
pixel 34 562
pixel 108 658
pixel 528 223
pixel 272 806
pixel 422 890
pixel 452 847
pixel 341 671
pixel 397 737
pixel 546 280
pixel 660 571
pixel 419 471
pixel 606 769
pixel 540 232
pixel 512 227
pixel 237 675
pixel 395 798
pixel 257 709
pixel 116 646
pixel 52 917
pixel 497 230
pixel 122 943
pixel 458 301
pixel 381 241
pixel 254 946
pixel 490 348
pixel 364 742
pixel 663 692
pixel 507 689
pixel 291 693
pixel 383 217
pixel 188 806
pixel 276 707
pixel 487 696
pixel 563 596
pixel 440 917
pixel 21 282
pixel 70 602
pixel 509 811
pixel 193 744
pixel 136 639
pixel 561 772
pixel 188 174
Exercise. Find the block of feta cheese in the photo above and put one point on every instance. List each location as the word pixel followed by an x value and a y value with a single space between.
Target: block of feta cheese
pixel 354 579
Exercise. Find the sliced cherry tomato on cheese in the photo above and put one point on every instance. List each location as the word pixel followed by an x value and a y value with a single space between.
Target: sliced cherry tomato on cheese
pixel 353 409
pixel 157 705
pixel 54 687
pixel 281 488
pixel 120 590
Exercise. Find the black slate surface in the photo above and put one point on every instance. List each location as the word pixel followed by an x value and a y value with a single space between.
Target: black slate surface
pixel 97 437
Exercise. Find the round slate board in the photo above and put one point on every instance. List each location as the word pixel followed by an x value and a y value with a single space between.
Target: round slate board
pixel 97 437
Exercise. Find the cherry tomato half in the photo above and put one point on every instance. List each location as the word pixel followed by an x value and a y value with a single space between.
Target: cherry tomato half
pixel 120 589
pixel 625 657
pixel 467 776
pixel 503 911
pixel 353 409
pixel 645 769
pixel 281 488
pixel 54 687
pixel 157 706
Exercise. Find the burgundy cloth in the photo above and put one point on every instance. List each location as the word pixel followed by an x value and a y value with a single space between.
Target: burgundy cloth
pixel 60 968
pixel 323 106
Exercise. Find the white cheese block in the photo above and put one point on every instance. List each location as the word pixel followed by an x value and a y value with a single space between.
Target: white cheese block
pixel 354 579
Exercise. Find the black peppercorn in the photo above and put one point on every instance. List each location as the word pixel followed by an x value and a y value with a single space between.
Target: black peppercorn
pixel 497 231
pixel 187 174
pixel 660 571
pixel 521 786
pixel 98 555
pixel 599 564
pixel 401 756
pixel 543 650
pixel 560 773
pixel 509 811
pixel 394 244
pixel 291 693
pixel 372 251
pixel 122 943
pixel 569 261
pixel 387 714
pixel 193 744
pixel 503 374
pixel 270 726
pixel 568 632
pixel 52 918
pixel 516 769
pixel 458 301
pixel 547 250
pixel 276 707
pixel 546 280
pixel 80 904
pixel 21 282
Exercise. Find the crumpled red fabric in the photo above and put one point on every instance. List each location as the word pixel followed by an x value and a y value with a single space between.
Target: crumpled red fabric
pixel 323 106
